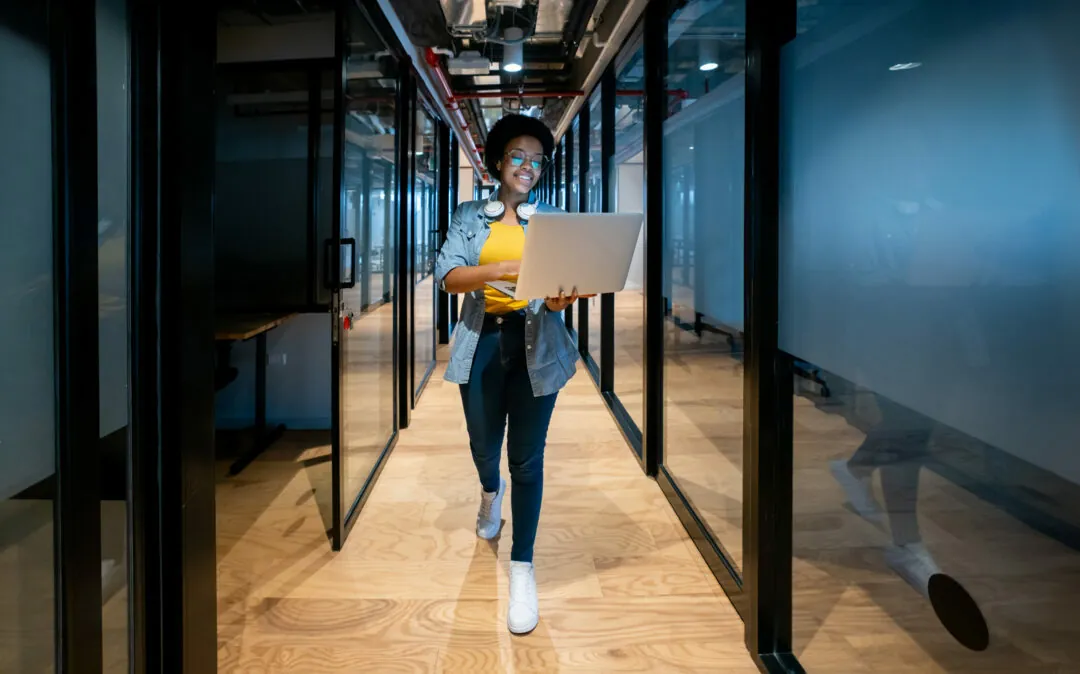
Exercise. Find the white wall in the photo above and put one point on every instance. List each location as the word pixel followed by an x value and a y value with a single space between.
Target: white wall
pixel 629 198
pixel 297 391
pixel 466 178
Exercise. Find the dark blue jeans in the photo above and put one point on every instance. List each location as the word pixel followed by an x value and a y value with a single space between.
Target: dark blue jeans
pixel 499 392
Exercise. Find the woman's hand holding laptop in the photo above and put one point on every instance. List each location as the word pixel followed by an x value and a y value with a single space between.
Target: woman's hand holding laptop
pixel 563 300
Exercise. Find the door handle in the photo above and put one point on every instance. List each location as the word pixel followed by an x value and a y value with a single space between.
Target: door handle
pixel 348 265
pixel 350 245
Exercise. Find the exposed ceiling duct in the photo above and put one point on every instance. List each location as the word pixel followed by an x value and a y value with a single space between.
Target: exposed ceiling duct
pixel 423 23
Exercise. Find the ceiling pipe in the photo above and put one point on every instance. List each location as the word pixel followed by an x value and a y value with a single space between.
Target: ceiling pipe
pixel 515 93
pixel 465 135
pixel 433 80
pixel 681 94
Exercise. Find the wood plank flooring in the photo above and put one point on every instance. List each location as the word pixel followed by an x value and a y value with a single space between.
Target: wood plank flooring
pixel 622 589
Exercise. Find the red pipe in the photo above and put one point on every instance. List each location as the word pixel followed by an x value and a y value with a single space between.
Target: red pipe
pixel 455 111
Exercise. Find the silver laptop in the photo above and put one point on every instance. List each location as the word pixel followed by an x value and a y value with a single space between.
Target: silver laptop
pixel 588 251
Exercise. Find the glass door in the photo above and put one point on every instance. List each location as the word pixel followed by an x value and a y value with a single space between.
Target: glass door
pixel 363 298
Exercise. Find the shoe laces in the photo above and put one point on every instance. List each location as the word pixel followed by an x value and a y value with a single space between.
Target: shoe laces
pixel 485 505
pixel 521 581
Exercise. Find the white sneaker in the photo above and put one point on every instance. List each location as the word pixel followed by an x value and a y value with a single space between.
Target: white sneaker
pixel 858 491
pixel 913 563
pixel 524 612
pixel 489 519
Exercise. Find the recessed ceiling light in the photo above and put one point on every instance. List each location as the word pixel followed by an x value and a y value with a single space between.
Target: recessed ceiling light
pixel 708 55
pixel 904 66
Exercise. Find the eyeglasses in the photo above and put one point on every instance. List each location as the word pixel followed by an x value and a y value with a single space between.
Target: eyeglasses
pixel 518 158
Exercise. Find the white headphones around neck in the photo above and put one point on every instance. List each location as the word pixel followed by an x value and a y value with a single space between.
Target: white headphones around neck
pixel 494 209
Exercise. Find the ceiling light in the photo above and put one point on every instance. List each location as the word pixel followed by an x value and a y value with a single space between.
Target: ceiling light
pixel 708 55
pixel 904 66
pixel 513 49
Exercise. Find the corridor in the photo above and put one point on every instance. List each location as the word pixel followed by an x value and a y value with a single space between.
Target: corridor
pixel 622 588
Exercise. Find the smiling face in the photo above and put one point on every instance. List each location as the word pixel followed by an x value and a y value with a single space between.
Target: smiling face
pixel 521 165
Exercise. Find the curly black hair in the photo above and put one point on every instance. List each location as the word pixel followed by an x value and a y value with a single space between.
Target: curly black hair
pixel 507 129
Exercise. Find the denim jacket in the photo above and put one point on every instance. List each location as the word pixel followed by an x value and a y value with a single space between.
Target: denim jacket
pixel 550 352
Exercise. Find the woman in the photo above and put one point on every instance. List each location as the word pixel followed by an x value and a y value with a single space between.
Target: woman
pixel 511 358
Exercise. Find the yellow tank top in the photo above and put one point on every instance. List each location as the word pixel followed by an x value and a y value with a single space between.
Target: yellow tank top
pixel 506 242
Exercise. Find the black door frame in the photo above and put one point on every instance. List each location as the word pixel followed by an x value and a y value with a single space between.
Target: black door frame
pixel 72 35
pixel 344 511
pixel 173 542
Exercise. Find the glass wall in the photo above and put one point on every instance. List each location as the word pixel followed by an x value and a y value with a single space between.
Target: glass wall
pixel 27 395
pixel 426 236
pixel 113 112
pixel 930 293
pixel 628 177
pixel 594 195
pixel 571 166
pixel 703 264
pixel 560 174
pixel 261 191
pixel 367 349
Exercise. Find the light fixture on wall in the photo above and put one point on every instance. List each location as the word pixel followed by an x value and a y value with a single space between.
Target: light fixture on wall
pixel 513 49
pixel 708 55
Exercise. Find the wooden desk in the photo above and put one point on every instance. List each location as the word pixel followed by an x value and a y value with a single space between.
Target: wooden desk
pixel 240 328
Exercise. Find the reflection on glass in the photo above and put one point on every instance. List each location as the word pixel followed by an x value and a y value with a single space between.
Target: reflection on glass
pixel 594 194
pixel 425 221
pixel 930 242
pixel 569 188
pixel 113 195
pixel 703 265
pixel 369 217
pixel 629 178
pixel 27 412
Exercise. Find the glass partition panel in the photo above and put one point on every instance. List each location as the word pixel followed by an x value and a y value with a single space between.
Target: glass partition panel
pixel 571 167
pixel 368 217
pixel 594 185
pixel 426 223
pixel 629 178
pixel 113 204
pixel 703 264
pixel 930 294
pixel 261 190
pixel 27 391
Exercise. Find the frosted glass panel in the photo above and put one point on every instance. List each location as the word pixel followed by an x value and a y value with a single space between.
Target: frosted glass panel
pixel 27 389
pixel 930 288
pixel 704 150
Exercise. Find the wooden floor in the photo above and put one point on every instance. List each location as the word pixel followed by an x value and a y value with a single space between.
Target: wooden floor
pixel 621 587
